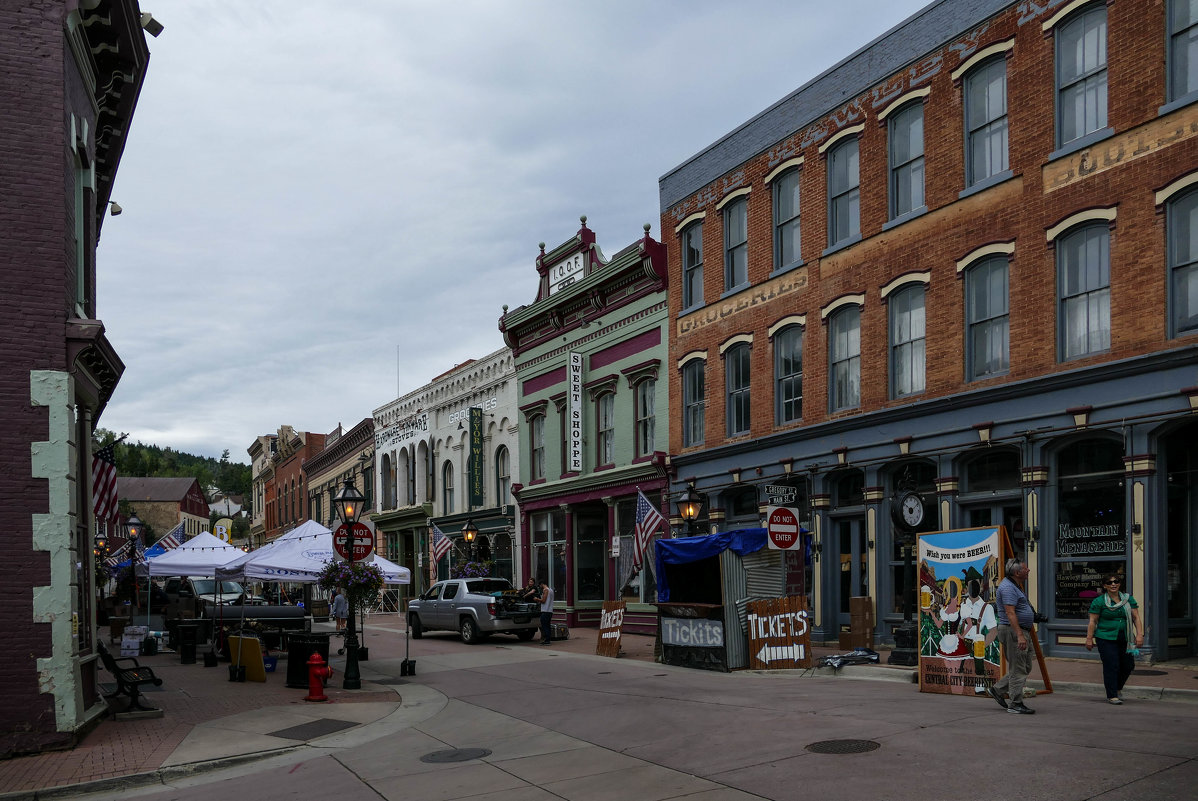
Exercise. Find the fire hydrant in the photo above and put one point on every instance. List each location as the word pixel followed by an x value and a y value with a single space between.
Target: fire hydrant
pixel 318 672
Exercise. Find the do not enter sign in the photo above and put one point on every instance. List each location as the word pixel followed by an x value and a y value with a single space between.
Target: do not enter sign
pixel 782 526
pixel 363 541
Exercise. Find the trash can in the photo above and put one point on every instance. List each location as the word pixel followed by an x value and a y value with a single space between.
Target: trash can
pixel 299 651
pixel 187 631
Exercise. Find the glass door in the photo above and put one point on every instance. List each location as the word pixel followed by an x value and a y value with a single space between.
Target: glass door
pixel 853 575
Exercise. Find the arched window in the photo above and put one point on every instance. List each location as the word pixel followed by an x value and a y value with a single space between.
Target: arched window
pixel 736 244
pixel 388 483
pixel 737 384
pixel 645 417
pixel 907 341
pixel 786 220
pixel 536 447
pixel 1090 537
pixel 692 265
pixel 844 345
pixel 503 476
pixel 1183 263
pixel 788 374
pixel 447 488
pixel 986 120
pixel 1084 288
pixel 905 127
pixel 1081 74
pixel 605 425
pixel 844 192
pixel 693 402
pixel 987 319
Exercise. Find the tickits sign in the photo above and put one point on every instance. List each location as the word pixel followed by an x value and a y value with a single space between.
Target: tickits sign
pixel 574 390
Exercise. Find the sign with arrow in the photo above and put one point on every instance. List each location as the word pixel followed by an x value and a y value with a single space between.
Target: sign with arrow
pixel 779 634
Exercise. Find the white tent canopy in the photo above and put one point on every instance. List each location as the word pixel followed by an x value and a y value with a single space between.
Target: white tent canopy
pixel 199 556
pixel 300 555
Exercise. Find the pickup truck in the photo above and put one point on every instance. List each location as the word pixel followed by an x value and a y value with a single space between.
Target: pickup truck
pixel 475 608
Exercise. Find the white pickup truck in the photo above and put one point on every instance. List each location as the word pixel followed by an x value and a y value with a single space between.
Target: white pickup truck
pixel 475 608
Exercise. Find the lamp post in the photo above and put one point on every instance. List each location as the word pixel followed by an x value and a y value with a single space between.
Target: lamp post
pixel 470 534
pixel 689 506
pixel 348 503
pixel 132 530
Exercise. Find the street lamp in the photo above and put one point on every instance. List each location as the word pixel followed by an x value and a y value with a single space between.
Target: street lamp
pixel 470 534
pixel 348 504
pixel 689 506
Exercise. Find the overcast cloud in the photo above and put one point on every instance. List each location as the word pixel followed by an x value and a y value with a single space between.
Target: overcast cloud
pixel 308 187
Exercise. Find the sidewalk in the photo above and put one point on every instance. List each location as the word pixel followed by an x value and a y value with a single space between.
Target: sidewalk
pixel 209 720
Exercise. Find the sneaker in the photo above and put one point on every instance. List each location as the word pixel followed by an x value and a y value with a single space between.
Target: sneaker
pixel 546 642
pixel 997 696
pixel 1020 709
pixel 1115 701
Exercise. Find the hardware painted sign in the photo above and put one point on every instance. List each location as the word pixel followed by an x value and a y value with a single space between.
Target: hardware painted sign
pixel 400 433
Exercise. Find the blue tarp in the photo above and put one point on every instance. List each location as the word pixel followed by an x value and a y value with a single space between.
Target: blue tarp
pixel 151 552
pixel 691 549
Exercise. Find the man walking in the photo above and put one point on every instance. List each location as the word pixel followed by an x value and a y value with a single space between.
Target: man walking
pixel 1015 617
pixel 546 601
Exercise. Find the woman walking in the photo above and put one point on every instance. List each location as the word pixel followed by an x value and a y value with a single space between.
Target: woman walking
pixel 1114 620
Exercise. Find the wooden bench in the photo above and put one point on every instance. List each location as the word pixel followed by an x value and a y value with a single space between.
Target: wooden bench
pixel 130 679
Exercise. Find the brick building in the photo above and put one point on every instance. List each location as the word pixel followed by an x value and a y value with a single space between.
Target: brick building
pixel 960 261
pixel 288 505
pixel 163 503
pixel 262 469
pixel 589 353
pixel 70 74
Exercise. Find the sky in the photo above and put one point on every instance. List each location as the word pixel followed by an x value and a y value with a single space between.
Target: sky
pixel 327 204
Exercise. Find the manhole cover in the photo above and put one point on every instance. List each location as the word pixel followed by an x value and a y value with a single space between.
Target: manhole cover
pixel 456 755
pixel 1139 672
pixel 843 746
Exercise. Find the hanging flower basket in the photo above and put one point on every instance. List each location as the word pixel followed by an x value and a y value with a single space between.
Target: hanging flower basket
pixel 361 581
pixel 471 570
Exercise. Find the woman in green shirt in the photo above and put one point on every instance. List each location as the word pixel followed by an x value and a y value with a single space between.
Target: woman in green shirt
pixel 1113 615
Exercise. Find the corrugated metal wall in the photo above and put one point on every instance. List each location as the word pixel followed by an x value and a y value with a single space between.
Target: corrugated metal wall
pixel 756 576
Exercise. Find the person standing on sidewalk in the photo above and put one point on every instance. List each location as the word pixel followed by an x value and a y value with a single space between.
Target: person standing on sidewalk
pixel 340 608
pixel 1115 615
pixel 1015 618
pixel 546 602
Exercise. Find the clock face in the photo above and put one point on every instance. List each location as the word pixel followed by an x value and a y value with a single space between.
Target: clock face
pixel 912 509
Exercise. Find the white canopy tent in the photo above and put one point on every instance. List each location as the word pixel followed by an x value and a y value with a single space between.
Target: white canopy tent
pixel 300 557
pixel 199 556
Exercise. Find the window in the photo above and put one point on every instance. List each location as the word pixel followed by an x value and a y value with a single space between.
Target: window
pixel 786 220
pixel 645 416
pixel 410 468
pixel 692 265
pixel 844 198
pixel 1084 282
pixel 605 407
pixel 693 401
pixel 987 319
pixel 736 248
pixel 845 358
pixel 536 447
pixel 1081 75
pixel 736 373
pixel 549 549
pixel 788 374
pixel 1183 263
pixel 447 488
pixel 907 343
pixel 986 121
pixel 906 160
pixel 1183 48
pixel 503 476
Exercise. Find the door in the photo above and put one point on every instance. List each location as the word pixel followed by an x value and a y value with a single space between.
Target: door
pixel 428 606
pixel 853 575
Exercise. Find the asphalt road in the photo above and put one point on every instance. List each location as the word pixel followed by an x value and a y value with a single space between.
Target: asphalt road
pixel 574 726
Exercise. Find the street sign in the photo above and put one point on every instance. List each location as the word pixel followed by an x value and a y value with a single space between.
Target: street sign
pixel 782 526
pixel 363 542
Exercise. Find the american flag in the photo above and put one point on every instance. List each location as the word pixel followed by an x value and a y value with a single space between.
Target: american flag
pixel 170 540
pixel 440 545
pixel 648 518
pixel 118 555
pixel 104 495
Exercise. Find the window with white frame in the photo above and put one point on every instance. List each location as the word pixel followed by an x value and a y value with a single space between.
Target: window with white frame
pixel 692 265
pixel 844 347
pixel 693 402
pixel 737 382
pixel 907 341
pixel 736 243
pixel 844 192
pixel 987 318
pixel 549 549
pixel 906 159
pixel 1081 74
pixel 788 374
pixel 986 120
pixel 447 488
pixel 786 219
pixel 536 446
pixel 1182 220
pixel 605 422
pixel 1084 285
pixel 645 416
pixel 503 476
pixel 1183 48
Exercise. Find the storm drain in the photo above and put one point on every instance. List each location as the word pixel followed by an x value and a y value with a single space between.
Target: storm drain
pixel 310 731
pixel 843 746
pixel 1139 672
pixel 456 755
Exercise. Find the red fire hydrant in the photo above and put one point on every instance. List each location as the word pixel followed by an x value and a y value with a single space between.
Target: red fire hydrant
pixel 318 671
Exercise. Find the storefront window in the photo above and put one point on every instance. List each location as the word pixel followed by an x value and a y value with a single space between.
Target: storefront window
pixel 1091 534
pixel 502 556
pixel 549 550
pixel 1181 518
pixel 642 587
pixel 590 537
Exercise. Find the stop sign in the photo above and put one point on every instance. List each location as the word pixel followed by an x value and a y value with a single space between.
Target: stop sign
pixel 782 526
pixel 363 541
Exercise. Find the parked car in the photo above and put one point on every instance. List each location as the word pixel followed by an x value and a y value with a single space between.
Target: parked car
pixel 198 592
pixel 475 608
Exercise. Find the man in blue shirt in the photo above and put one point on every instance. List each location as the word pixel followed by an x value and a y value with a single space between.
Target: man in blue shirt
pixel 1015 617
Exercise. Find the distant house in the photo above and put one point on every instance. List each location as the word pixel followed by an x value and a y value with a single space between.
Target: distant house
pixel 163 503
pixel 226 505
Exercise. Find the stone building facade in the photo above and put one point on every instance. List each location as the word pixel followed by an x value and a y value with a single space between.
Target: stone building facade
pixel 164 503
pixel 961 260
pixel 70 75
